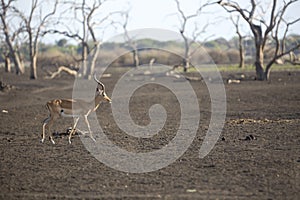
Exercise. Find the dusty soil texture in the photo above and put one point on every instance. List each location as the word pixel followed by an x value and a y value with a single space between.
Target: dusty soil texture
pixel 256 157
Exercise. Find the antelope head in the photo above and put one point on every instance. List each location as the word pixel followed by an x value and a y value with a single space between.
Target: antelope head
pixel 100 92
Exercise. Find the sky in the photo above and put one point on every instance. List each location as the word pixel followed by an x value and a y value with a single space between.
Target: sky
pixel 161 14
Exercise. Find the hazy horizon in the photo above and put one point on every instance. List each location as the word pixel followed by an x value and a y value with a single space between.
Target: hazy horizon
pixel 155 14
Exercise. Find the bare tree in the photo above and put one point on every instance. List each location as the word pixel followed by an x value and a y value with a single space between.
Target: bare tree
pixel 87 18
pixel 96 43
pixel 184 19
pixel 33 27
pixel 10 35
pixel 130 41
pixel 241 40
pixel 263 31
pixel 280 48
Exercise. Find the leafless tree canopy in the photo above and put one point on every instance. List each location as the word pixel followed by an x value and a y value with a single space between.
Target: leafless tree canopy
pixel 265 24
pixel 188 41
pixel 11 34
pixel 34 29
pixel 86 17
pixel 130 41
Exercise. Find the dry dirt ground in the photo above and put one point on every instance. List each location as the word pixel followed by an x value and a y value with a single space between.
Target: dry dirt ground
pixel 256 157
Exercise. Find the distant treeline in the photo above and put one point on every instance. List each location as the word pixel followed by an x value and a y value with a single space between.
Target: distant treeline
pixel 221 51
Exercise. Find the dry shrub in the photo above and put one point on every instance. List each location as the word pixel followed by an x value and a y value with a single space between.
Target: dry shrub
pixel 122 57
pixel 160 56
pixel 55 58
pixel 122 60
pixel 111 57
pixel 219 57
pixel 233 56
pixel 200 58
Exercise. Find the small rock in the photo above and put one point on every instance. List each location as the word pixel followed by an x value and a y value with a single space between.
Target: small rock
pixel 191 190
pixel 4 111
pixel 229 81
pixel 250 137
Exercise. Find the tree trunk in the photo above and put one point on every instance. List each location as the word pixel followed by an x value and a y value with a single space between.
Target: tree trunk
pixel 268 68
pixel 15 56
pixel 259 63
pixel 259 52
pixel 186 64
pixel 17 62
pixel 7 63
pixel 16 59
pixel 91 68
pixel 267 73
pixel 242 54
pixel 186 61
pixel 260 74
pixel 136 60
pixel 33 70
pixel 84 59
pixel 32 55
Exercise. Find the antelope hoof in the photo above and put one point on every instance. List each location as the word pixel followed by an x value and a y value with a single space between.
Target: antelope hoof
pixel 51 139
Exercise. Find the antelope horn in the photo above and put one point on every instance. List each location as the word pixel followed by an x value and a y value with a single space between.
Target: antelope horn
pixel 101 84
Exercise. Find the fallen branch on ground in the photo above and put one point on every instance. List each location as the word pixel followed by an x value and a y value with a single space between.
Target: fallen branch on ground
pixel 61 69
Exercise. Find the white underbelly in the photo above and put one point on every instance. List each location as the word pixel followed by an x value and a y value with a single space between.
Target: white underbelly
pixel 69 114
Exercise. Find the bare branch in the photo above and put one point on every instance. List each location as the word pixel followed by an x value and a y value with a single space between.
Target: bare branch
pixel 184 19
pixel 251 14
pixel 276 18
pixel 130 40
pixel 235 7
pixel 65 33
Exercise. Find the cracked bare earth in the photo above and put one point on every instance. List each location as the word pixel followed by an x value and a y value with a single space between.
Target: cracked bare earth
pixel 256 157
